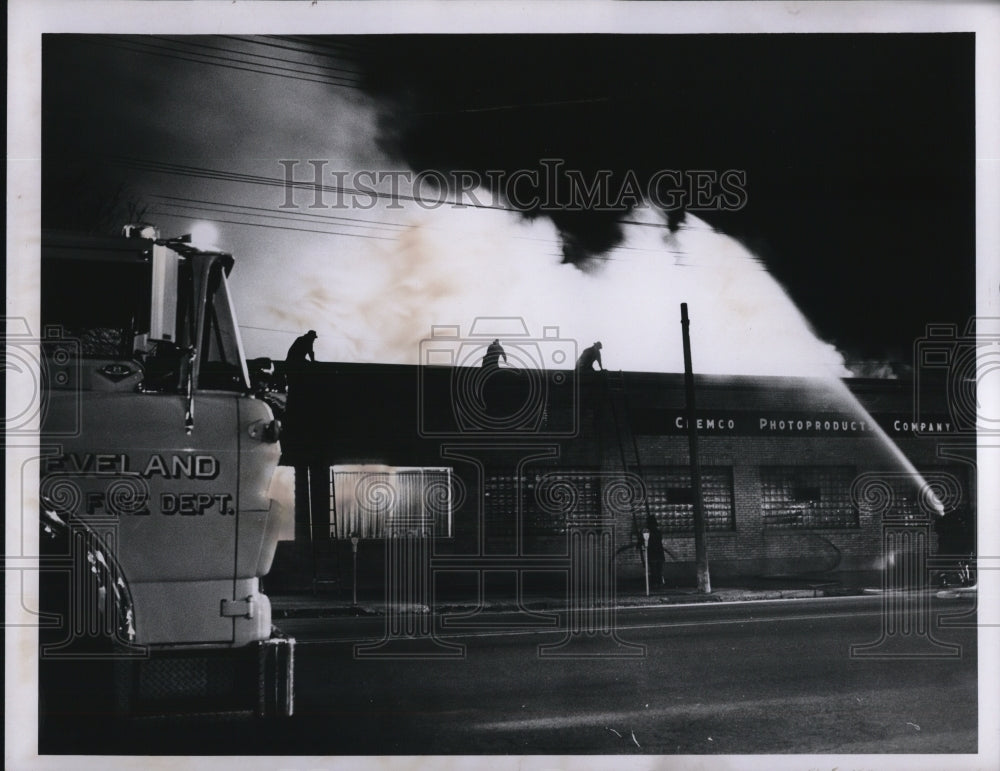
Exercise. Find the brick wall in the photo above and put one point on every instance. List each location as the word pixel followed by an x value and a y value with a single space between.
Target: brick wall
pixel 376 420
pixel 753 547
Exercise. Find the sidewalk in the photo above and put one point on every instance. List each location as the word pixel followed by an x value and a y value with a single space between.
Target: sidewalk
pixel 331 602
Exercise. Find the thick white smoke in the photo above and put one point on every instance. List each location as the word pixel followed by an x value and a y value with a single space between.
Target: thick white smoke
pixel 373 290
pixel 377 300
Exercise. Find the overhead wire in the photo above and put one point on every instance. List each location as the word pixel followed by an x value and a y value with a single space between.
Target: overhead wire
pixel 252 211
pixel 309 51
pixel 194 212
pixel 140 46
pixel 283 218
pixel 256 179
pixel 278 227
pixel 325 41
pixel 134 46
pixel 267 329
pixel 306 216
pixel 268 69
pixel 143 46
pixel 182 40
pixel 178 202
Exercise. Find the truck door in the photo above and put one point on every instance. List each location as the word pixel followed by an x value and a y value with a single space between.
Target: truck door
pixel 144 438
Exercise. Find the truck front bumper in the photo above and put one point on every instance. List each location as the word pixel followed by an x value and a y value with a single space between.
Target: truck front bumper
pixel 258 678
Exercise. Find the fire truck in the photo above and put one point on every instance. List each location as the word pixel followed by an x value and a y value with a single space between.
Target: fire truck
pixel 161 498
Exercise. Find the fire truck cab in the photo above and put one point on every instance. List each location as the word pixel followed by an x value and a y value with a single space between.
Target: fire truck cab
pixel 159 479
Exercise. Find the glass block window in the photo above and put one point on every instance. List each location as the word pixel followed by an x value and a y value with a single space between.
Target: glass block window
pixel 671 498
pixel 373 501
pixel 500 502
pixel 546 497
pixel 808 496
pixel 948 483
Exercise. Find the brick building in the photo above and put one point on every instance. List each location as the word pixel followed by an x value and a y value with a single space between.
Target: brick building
pixel 798 475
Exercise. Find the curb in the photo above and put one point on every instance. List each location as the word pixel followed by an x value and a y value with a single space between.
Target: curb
pixel 343 610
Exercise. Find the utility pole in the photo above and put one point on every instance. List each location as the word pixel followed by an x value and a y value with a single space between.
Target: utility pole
pixel 700 547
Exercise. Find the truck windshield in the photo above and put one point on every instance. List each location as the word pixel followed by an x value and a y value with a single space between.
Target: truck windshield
pixel 104 305
pixel 223 365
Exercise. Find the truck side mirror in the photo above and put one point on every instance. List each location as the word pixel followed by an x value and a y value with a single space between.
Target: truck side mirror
pixel 163 299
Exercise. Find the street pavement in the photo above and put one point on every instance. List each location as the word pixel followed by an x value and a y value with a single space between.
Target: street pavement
pixel 758 677
pixel 871 673
pixel 339 601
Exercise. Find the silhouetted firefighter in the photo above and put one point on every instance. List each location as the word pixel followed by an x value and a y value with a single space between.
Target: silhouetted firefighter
pixel 301 349
pixel 493 353
pixel 300 354
pixel 589 357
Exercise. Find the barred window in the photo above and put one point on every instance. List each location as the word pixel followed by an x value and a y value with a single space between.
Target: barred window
pixel 671 498
pixel 808 496
pixel 372 501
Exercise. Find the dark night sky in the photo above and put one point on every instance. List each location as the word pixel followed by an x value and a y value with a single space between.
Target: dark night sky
pixel 858 149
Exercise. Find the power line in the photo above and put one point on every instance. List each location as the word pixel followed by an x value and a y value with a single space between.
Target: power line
pixel 326 42
pixel 305 213
pixel 600 257
pixel 256 179
pixel 327 335
pixel 257 41
pixel 267 329
pixel 182 208
pixel 204 173
pixel 217 210
pixel 251 211
pixel 268 67
pixel 278 227
pixel 141 46
pixel 183 41
pixel 136 47
pixel 185 203
pixel 147 52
